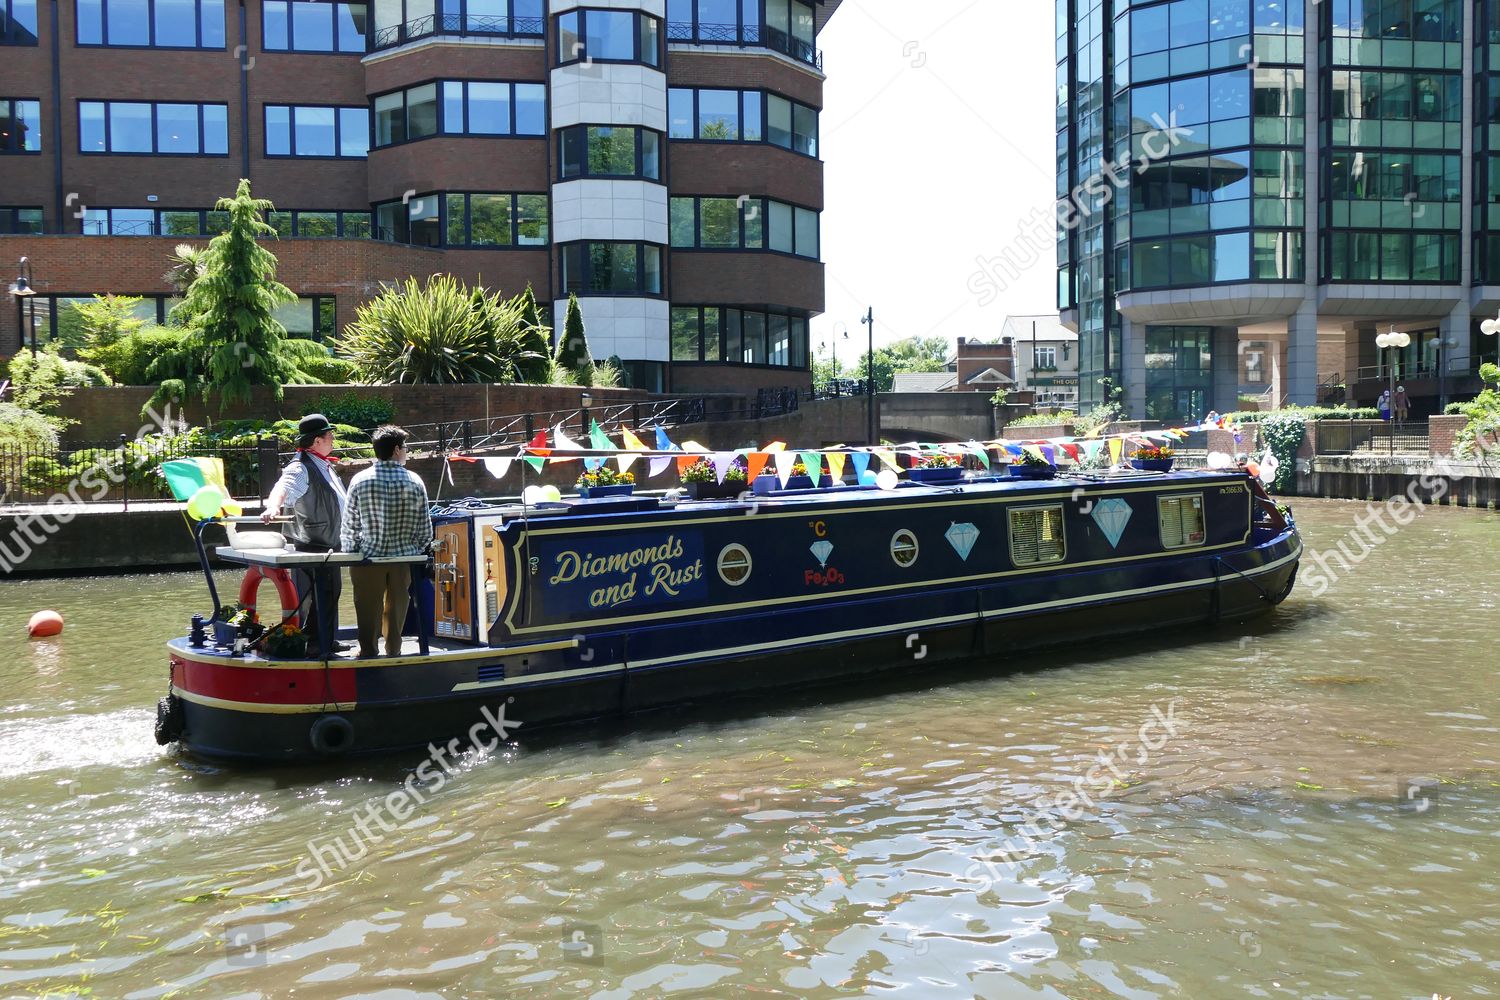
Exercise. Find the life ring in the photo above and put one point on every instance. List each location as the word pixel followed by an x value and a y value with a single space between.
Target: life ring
pixel 284 589
pixel 331 735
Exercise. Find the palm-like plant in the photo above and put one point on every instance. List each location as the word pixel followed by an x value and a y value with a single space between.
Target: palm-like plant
pixel 439 333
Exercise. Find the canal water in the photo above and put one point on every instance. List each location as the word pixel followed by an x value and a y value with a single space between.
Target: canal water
pixel 1305 807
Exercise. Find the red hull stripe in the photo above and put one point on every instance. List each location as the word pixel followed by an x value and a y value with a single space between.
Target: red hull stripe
pixel 313 686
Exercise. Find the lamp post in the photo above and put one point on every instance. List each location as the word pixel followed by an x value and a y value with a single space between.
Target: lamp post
pixel 1394 341
pixel 840 329
pixel 584 402
pixel 869 321
pixel 24 291
pixel 1490 328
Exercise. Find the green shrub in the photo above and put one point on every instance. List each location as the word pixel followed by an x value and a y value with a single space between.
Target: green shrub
pixel 38 383
pixel 1308 413
pixel 1479 436
pixel 1454 409
pixel 1284 432
pixel 356 409
pixel 330 370
pixel 573 348
pixel 1041 420
pixel 129 359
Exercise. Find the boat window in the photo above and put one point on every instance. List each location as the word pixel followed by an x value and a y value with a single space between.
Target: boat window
pixel 1181 520
pixel 1036 536
pixel 904 548
pixel 734 565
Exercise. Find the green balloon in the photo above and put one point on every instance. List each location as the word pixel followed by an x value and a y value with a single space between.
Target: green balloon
pixel 551 494
pixel 206 503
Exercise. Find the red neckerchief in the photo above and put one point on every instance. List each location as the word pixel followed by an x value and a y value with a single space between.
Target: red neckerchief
pixel 330 459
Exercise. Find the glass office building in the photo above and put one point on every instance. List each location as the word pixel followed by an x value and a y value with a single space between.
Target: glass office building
pixel 1251 190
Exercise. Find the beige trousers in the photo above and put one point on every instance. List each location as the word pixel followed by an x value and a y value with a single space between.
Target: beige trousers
pixel 380 600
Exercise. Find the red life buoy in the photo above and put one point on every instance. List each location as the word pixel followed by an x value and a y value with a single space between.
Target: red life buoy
pixel 284 589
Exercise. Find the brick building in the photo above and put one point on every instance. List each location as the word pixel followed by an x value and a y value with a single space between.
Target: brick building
pixel 657 157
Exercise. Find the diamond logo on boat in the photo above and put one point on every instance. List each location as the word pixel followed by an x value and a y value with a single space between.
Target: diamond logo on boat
pixel 962 537
pixel 822 550
pixel 1112 515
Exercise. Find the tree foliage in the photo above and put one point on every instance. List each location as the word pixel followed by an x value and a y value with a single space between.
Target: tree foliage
pixel 573 349
pixel 439 332
pixel 911 354
pixel 233 340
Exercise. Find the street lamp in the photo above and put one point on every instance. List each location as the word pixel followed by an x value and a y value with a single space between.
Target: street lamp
pixel 840 329
pixel 1394 341
pixel 24 290
pixel 869 321
pixel 585 401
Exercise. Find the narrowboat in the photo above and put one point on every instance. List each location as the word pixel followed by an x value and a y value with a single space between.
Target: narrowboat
pixel 596 608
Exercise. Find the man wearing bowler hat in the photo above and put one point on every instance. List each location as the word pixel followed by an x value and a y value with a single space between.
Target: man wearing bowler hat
pixel 316 496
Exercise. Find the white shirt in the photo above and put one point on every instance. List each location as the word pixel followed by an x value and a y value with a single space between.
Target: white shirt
pixel 293 481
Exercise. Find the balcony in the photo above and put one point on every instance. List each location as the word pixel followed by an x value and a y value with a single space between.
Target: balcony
pixel 762 36
pixel 457 26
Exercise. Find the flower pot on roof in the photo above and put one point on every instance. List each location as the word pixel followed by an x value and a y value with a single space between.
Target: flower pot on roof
pixel 769 482
pixel 1029 466
pixel 1153 459
pixel 701 480
pixel 936 468
pixel 605 482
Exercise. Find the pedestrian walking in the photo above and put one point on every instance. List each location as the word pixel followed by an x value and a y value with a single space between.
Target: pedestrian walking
pixel 1384 405
pixel 1402 405
pixel 387 516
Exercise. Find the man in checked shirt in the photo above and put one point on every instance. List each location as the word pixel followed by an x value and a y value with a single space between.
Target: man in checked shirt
pixel 386 515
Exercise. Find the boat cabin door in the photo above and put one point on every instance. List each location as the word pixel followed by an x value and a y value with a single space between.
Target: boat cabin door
pixel 493 588
pixel 451 577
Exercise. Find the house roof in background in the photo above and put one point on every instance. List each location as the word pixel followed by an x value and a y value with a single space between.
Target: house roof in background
pixel 924 382
pixel 1047 327
pixel 990 375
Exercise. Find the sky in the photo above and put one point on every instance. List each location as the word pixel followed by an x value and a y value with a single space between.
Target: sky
pixel 938 139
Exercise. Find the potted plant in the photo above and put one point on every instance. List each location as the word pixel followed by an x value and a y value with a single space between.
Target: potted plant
pixel 234 621
pixel 1030 466
pixel 284 642
pixel 702 480
pixel 605 482
pixel 769 482
pixel 936 468
pixel 1153 459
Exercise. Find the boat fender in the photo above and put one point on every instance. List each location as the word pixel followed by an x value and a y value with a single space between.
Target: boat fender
pixel 285 590
pixel 331 735
pixel 169 720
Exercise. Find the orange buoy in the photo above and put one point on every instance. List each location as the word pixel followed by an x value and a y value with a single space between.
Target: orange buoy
pixel 44 624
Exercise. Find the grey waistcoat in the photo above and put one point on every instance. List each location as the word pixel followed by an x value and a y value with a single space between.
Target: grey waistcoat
pixel 317 515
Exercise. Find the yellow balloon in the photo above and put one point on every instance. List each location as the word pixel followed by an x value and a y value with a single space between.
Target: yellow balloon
pixel 206 503
pixel 551 494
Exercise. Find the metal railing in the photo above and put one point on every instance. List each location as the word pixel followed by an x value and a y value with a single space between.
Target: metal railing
pixel 457 24
pixel 749 34
pixel 119 471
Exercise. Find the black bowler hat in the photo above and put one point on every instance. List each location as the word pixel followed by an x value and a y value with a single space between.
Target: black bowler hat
pixel 314 425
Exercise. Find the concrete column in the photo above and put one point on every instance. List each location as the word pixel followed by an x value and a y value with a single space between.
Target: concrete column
pixel 1457 359
pixel 1226 368
pixel 1277 364
pixel 1302 355
pixel 1133 351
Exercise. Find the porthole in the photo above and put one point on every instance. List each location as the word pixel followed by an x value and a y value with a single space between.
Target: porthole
pixel 734 565
pixel 904 548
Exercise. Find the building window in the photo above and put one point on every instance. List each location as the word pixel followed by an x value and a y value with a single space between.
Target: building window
pixel 495 220
pixel 611 268
pixel 739 336
pixel 1181 520
pixel 18 22
pixel 400 21
pixel 18 221
pixel 299 26
pixel 742 116
pixel 466 108
pixel 163 24
pixel 311 317
pixel 735 564
pixel 788 26
pixel 20 126
pixel 1036 536
pixel 153 222
pixel 309 224
pixel 1044 358
pixel 744 224
pixel 458 219
pixel 1358 257
pixel 904 549
pixel 609 151
pixel 305 130
pixel 153 129
pixel 608 36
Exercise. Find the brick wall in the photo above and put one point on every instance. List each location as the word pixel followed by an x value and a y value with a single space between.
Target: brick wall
pixel 1441 431
pixel 106 413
